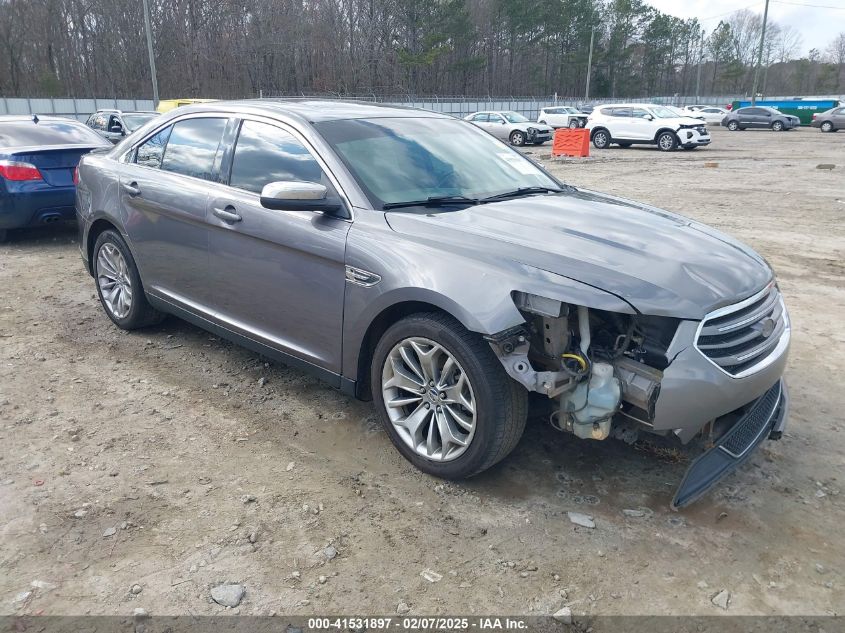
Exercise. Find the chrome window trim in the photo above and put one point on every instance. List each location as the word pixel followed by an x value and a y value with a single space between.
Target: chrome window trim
pixel 779 349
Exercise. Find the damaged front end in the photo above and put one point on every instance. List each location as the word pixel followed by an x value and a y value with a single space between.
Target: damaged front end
pixel 617 375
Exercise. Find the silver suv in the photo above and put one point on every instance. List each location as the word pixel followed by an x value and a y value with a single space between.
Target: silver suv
pixel 411 258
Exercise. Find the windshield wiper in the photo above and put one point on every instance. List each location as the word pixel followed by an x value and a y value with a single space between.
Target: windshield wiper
pixel 522 191
pixel 431 201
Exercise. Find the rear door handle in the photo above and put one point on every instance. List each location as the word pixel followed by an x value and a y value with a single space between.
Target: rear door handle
pixel 132 189
pixel 227 214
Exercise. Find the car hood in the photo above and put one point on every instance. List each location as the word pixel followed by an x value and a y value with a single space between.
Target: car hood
pixel 659 262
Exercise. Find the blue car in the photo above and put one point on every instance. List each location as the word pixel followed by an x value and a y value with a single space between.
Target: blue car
pixel 38 159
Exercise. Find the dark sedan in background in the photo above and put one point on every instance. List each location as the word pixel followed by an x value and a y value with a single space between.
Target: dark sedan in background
pixel 38 158
pixel 760 117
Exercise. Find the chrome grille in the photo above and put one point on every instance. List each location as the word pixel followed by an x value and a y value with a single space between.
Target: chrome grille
pixel 740 337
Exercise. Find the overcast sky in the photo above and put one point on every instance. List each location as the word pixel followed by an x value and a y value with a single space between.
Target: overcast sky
pixel 818 26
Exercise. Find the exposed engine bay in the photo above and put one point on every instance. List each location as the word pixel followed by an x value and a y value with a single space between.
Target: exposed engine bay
pixel 601 369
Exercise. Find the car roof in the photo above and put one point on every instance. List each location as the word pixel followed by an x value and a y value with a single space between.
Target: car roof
pixel 311 110
pixel 28 118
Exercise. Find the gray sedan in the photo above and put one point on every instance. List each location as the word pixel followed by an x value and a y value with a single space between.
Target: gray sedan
pixel 760 117
pixel 412 259
pixel 512 127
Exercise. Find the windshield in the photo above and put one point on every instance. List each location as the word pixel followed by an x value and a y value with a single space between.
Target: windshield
pixel 399 160
pixel 663 112
pixel 514 117
pixel 134 121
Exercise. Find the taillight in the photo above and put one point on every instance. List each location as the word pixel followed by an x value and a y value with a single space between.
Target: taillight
pixel 814 116
pixel 16 170
pixel 76 175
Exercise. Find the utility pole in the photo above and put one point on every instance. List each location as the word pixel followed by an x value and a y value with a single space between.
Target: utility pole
pixel 760 55
pixel 150 51
pixel 589 64
pixel 698 73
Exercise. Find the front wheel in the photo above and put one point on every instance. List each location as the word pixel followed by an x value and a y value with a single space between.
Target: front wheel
pixel 667 141
pixel 444 398
pixel 517 138
pixel 733 126
pixel 573 124
pixel 119 284
pixel 777 126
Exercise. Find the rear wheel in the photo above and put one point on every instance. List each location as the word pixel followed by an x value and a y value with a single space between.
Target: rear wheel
pixel 667 141
pixel 119 284
pixel 517 138
pixel 444 398
pixel 777 126
pixel 733 126
pixel 601 139
pixel 827 126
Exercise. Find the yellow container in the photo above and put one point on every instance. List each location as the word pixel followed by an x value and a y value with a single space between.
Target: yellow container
pixel 168 104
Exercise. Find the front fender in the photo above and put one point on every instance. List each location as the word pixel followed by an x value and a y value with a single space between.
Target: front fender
pixel 474 288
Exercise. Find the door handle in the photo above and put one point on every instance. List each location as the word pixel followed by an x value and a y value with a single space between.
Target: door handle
pixel 228 214
pixel 132 189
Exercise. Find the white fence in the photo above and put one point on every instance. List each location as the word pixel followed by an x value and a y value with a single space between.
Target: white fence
pixel 74 108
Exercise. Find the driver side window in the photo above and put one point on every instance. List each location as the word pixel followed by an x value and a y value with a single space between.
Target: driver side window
pixel 265 153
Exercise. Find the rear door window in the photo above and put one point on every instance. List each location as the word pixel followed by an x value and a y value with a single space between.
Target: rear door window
pixel 192 147
pixel 151 151
pixel 621 112
pixel 265 153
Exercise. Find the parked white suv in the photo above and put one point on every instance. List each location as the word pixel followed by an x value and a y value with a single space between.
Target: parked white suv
pixel 628 123
pixel 562 116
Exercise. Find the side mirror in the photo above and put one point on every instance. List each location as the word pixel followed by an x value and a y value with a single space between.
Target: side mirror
pixel 297 195
pixel 649 117
pixel 116 129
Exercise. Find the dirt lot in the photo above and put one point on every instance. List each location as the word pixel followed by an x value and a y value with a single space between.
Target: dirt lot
pixel 175 461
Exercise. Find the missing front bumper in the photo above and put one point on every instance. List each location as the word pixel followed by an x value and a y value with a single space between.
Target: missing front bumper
pixel 765 418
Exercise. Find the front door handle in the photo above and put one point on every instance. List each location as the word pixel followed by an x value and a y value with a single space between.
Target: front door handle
pixel 132 189
pixel 228 214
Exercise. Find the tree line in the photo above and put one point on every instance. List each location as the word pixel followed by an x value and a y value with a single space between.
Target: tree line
pixel 236 48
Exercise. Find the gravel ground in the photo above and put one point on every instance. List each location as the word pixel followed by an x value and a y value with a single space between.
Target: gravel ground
pixel 145 469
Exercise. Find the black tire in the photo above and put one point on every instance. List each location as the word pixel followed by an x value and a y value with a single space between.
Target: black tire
pixel 574 124
pixel 733 126
pixel 3 235
pixel 517 138
pixel 601 139
pixel 501 403
pixel 777 126
pixel 141 313
pixel 827 126
pixel 667 141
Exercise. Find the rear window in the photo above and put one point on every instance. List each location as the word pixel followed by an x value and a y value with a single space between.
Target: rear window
pixel 25 133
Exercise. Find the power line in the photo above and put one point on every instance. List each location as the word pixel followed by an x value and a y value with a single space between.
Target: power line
pixel 814 6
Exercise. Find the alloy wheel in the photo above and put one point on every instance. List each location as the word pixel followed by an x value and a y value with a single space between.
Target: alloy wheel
pixel 429 399
pixel 113 279
pixel 517 138
pixel 600 140
pixel 827 126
